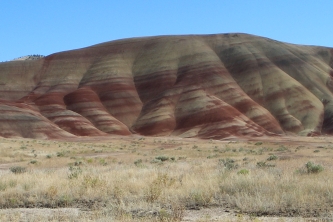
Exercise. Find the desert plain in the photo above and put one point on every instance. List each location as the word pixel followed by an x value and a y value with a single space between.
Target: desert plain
pixel 136 178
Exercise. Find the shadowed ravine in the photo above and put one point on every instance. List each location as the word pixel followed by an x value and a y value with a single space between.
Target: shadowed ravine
pixel 209 86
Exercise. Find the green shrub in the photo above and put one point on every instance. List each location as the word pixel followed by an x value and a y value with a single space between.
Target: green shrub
pixel 156 161
pixel 61 154
pixel 228 163
pixel 78 163
pixel 75 171
pixel 272 157
pixel 138 162
pixel 262 164
pixel 212 156
pixel 313 168
pixel 18 169
pixel 282 148
pixel 162 158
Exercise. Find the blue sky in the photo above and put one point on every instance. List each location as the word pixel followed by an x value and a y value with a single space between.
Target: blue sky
pixel 49 26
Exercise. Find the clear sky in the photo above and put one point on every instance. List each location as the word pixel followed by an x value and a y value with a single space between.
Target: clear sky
pixel 49 26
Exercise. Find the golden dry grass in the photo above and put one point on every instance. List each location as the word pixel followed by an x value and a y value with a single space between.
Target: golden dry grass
pixel 125 178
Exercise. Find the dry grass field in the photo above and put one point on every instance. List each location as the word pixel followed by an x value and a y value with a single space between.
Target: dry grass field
pixel 166 179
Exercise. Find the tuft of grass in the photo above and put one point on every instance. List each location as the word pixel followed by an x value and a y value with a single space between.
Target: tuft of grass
pixel 156 188
pixel 103 162
pixel 3 186
pixel 243 172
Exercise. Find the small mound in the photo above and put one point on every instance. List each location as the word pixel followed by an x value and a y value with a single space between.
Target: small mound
pixel 28 57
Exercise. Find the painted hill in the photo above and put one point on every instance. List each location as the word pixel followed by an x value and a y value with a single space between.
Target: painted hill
pixel 209 86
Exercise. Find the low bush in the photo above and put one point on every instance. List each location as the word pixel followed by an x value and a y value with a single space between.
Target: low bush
pixel 75 171
pixel 162 158
pixel 61 154
pixel 18 169
pixel 138 162
pixel 228 163
pixel 272 157
pixel 310 168
pixel 313 168
pixel 262 164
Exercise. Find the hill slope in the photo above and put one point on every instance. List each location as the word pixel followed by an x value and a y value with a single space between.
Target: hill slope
pixel 210 86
